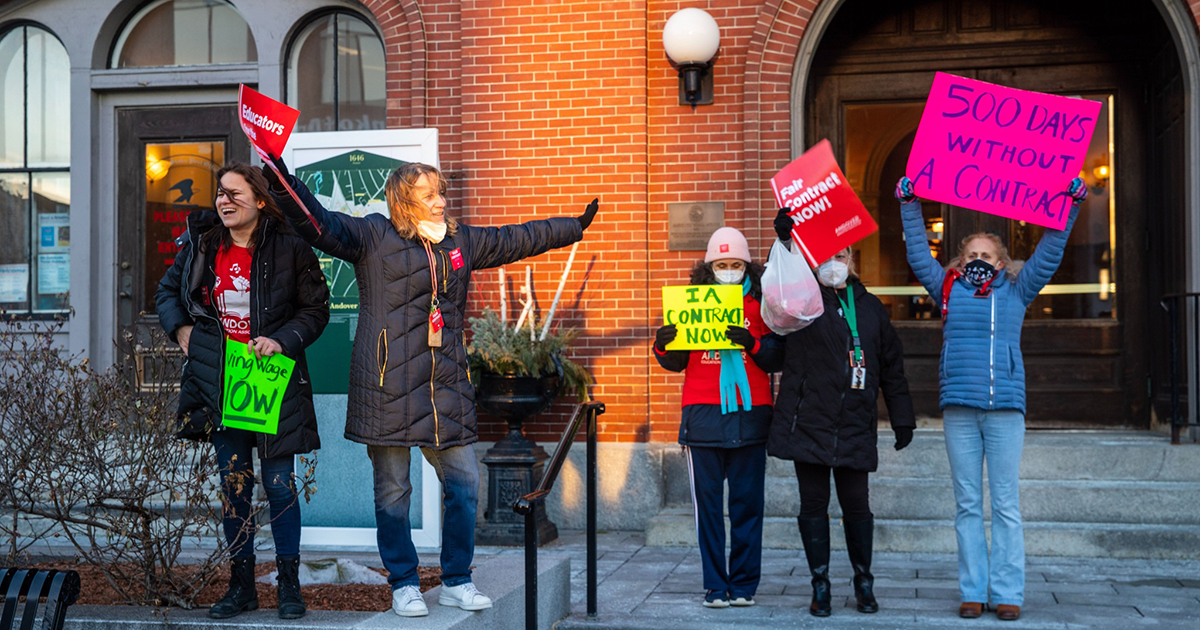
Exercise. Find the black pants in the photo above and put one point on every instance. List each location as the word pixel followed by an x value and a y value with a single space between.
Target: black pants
pixel 814 491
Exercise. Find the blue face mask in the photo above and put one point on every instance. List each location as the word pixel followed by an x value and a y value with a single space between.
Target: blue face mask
pixel 979 272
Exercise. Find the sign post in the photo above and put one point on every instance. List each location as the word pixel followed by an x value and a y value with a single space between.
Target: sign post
pixel 1001 150
pixel 828 215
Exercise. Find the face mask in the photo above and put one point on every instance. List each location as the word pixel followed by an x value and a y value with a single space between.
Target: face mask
pixel 979 272
pixel 729 276
pixel 433 231
pixel 833 273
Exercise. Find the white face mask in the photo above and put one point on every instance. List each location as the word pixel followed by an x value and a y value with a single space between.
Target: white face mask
pixel 729 276
pixel 833 273
pixel 433 231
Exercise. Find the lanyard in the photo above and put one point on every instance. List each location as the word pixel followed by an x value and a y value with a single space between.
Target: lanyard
pixel 433 303
pixel 856 358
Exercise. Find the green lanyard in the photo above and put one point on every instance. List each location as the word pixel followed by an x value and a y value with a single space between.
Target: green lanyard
pixel 856 359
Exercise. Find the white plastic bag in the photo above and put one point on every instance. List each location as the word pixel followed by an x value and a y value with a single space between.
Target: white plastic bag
pixel 791 295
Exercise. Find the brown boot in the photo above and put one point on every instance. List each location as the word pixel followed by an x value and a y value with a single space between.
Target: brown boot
pixel 1008 612
pixel 970 610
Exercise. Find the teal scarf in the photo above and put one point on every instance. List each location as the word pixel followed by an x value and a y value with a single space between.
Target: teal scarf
pixel 733 373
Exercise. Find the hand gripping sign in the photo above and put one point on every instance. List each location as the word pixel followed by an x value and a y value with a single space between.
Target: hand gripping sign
pixel 702 314
pixel 828 216
pixel 268 123
pixel 253 389
pixel 1000 150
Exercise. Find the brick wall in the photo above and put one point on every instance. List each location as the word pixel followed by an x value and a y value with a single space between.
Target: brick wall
pixel 542 105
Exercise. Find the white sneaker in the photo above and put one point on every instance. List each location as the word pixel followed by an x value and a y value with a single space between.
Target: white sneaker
pixel 464 596
pixel 407 602
pixel 741 601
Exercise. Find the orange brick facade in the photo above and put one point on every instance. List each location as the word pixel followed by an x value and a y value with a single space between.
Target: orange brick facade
pixel 543 104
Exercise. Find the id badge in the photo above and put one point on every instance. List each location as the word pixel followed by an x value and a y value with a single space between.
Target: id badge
pixel 858 378
pixel 435 328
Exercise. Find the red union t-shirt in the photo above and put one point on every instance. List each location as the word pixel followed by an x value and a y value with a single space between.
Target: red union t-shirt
pixel 232 291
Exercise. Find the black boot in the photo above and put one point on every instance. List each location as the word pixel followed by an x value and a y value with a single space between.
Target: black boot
pixel 859 538
pixel 291 601
pixel 814 533
pixel 241 595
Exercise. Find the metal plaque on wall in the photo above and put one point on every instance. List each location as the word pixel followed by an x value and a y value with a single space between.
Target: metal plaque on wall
pixel 689 225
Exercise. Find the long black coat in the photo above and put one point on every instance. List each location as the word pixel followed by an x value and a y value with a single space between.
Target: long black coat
pixel 289 302
pixel 403 392
pixel 818 418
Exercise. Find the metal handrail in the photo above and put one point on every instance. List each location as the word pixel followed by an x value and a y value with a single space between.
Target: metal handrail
pixel 1170 302
pixel 528 506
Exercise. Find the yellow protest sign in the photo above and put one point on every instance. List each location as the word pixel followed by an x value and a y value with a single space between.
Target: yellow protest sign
pixel 702 314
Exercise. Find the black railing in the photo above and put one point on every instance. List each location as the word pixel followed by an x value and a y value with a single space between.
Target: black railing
pixel 530 503
pixel 60 588
pixel 1183 305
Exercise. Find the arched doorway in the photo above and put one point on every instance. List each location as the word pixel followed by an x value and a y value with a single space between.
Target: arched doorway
pixel 1091 339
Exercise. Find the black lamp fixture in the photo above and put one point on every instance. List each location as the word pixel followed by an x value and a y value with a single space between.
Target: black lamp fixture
pixel 691 38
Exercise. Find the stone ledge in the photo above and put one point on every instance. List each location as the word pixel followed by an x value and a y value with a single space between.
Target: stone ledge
pixel 502 577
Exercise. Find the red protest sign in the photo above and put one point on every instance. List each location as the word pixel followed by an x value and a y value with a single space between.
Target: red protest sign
pixel 267 122
pixel 1001 150
pixel 828 215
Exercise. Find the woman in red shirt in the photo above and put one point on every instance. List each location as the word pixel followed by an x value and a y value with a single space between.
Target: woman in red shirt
pixel 726 414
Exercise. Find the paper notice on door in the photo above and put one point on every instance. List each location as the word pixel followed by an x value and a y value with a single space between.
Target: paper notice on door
pixel 54 274
pixel 14 283
pixel 54 232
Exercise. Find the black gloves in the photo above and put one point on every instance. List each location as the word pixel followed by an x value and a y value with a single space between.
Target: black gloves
pixel 741 336
pixel 664 336
pixel 272 178
pixel 903 436
pixel 589 213
pixel 783 225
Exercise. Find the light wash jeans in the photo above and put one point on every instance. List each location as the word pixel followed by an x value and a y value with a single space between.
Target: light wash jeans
pixel 458 470
pixel 972 436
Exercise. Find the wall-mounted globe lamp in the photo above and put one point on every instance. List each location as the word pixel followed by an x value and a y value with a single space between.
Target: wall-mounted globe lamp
pixel 691 39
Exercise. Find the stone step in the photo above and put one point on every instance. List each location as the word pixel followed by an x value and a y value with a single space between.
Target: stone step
pixel 1161 502
pixel 676 527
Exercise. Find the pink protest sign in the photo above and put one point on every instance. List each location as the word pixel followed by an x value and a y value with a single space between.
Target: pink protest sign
pixel 1000 150
pixel 267 122
pixel 828 216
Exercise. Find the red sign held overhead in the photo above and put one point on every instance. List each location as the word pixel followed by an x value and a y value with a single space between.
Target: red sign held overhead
pixel 828 215
pixel 267 122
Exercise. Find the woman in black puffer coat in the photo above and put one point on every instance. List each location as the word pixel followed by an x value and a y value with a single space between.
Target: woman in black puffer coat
pixel 825 417
pixel 409 380
pixel 241 273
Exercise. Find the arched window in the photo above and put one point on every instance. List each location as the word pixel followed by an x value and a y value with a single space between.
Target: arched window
pixel 35 182
pixel 335 75
pixel 184 33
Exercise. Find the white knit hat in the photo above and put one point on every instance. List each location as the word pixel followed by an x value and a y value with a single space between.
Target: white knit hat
pixel 727 242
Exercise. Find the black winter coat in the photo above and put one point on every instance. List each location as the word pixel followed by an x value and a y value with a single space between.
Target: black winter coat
pixel 289 302
pixel 818 418
pixel 403 392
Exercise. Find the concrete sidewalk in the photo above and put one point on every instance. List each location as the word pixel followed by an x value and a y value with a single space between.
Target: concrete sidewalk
pixel 661 588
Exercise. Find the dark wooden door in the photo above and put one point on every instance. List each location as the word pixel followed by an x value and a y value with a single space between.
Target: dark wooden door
pixel 1084 344
pixel 167 163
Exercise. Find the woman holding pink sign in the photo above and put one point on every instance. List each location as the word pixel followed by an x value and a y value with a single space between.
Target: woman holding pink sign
pixel 241 275
pixel 982 377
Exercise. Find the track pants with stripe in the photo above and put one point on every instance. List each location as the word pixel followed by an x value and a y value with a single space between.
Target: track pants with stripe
pixel 744 468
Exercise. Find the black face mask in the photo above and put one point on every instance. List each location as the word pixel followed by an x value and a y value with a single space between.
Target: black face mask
pixel 979 272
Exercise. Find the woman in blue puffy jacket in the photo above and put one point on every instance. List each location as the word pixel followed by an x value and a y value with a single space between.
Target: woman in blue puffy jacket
pixel 982 378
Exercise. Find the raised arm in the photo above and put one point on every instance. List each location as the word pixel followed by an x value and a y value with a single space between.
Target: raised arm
pixel 929 273
pixel 312 305
pixel 1040 267
pixel 336 234
pixel 496 246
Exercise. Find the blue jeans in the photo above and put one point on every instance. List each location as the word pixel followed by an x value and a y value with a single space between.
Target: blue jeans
pixel 234 448
pixel 973 436
pixel 458 470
